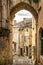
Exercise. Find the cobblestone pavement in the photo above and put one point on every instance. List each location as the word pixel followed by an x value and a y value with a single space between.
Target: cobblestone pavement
pixel 18 60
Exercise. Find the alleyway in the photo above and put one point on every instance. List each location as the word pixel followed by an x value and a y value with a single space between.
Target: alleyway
pixel 19 60
pixel 21 32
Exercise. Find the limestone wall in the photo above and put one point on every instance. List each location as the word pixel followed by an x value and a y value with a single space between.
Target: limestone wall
pixel 40 25
pixel 5 43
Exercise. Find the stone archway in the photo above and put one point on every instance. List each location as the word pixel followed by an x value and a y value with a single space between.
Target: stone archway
pixel 28 7
pixel 21 6
pixel 6 53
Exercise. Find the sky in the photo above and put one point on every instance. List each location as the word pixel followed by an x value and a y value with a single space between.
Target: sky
pixel 19 16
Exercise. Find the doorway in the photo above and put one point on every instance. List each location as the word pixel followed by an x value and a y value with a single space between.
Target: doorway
pixel 26 50
pixel 42 42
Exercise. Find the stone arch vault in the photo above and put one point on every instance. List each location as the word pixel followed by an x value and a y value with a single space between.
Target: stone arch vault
pixel 21 6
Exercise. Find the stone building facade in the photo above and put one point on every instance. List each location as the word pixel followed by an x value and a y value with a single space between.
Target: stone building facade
pixel 8 8
pixel 22 36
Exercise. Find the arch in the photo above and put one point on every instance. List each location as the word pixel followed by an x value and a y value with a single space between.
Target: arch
pixel 21 6
pixel 28 7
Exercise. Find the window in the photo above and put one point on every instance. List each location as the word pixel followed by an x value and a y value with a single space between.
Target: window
pixel 25 38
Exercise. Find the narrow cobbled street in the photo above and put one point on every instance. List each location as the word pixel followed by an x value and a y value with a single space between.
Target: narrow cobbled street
pixel 19 60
